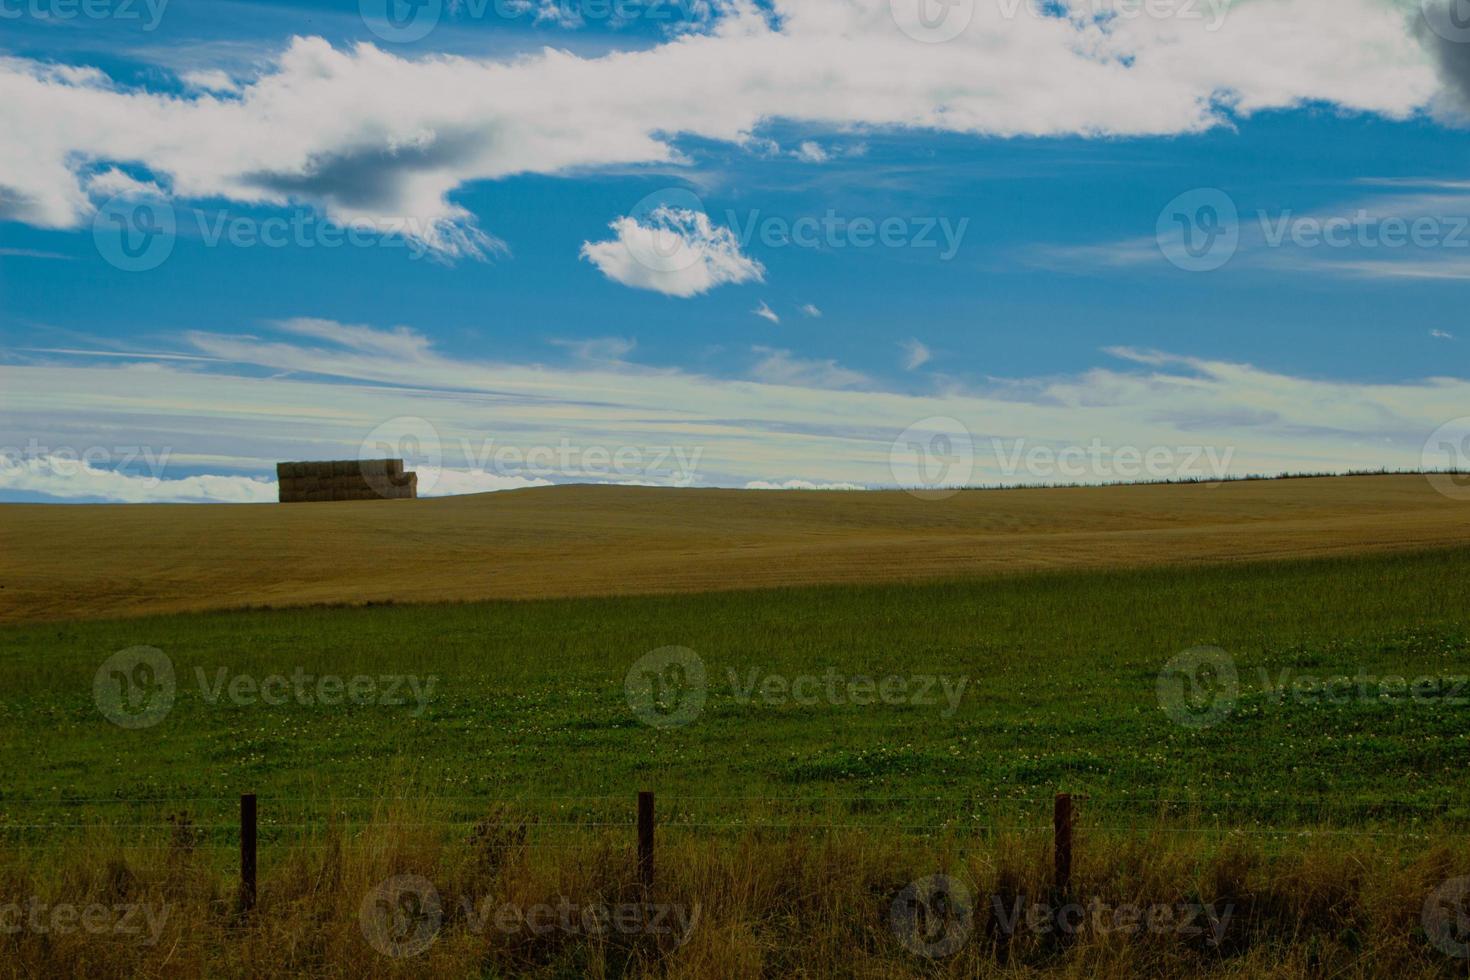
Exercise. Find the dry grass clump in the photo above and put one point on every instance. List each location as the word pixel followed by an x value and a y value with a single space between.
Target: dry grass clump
pixel 400 897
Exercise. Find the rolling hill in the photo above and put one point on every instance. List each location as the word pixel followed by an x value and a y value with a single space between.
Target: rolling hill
pixel 89 561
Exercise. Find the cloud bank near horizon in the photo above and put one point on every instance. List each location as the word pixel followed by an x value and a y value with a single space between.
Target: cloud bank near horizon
pixel 316 389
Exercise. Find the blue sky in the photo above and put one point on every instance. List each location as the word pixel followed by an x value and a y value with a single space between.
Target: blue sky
pixel 1026 290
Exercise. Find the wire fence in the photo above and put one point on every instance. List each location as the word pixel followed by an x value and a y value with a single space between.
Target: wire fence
pixel 206 821
pixel 214 825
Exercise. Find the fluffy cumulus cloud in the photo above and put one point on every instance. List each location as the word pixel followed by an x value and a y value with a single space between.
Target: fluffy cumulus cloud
pixel 369 136
pixel 674 251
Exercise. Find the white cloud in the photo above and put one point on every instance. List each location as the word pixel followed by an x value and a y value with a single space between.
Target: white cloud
pixel 65 477
pixel 765 312
pixel 366 135
pixel 210 80
pixel 779 367
pixel 1441 335
pixel 395 342
pixel 451 482
pixel 810 152
pixel 1451 268
pixel 793 419
pixel 801 485
pixel 677 252
pixel 114 183
pixel 915 355
pixel 599 350
pixel 810 310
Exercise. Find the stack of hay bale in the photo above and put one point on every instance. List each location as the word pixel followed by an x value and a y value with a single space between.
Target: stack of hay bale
pixel 347 479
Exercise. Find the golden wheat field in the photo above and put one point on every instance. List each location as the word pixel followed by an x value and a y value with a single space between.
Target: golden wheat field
pixel 63 562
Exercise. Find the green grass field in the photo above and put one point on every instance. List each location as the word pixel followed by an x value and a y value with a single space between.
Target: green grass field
pixel 1060 693
pixel 790 828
